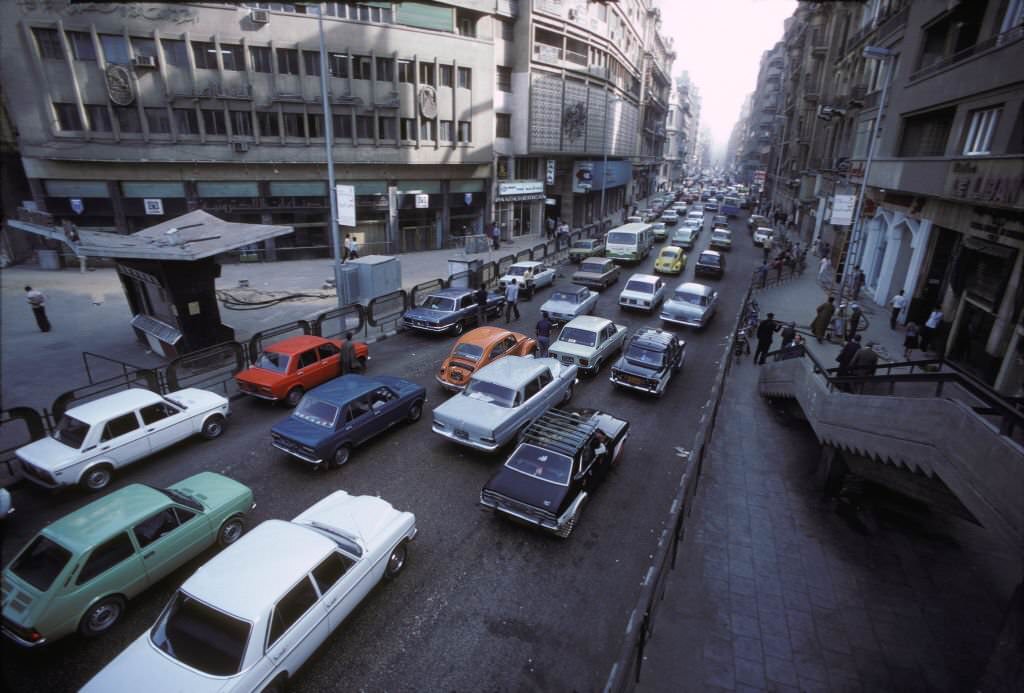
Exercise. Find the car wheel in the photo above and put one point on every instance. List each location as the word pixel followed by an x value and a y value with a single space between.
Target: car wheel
pixel 340 457
pixel 293 396
pixel 213 427
pixel 415 411
pixel 568 395
pixel 97 478
pixel 230 532
pixel 458 328
pixel 396 561
pixel 101 616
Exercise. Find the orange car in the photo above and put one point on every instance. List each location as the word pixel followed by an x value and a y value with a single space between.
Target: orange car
pixel 286 369
pixel 476 349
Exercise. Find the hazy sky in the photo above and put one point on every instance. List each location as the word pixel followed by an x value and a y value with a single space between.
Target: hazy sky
pixel 720 43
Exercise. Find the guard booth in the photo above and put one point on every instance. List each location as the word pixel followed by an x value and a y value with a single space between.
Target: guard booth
pixel 168 273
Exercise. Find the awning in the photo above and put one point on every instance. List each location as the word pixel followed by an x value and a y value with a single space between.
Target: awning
pixel 167 334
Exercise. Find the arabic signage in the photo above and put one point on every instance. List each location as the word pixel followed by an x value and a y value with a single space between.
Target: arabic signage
pixel 422 201
pixel 595 175
pixel 520 190
pixel 842 209
pixel 549 173
pixel 990 181
pixel 346 197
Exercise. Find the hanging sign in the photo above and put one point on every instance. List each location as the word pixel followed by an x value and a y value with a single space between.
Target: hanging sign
pixel 842 209
pixel 422 201
pixel 77 206
pixel 346 197
pixel 153 206
pixel 549 173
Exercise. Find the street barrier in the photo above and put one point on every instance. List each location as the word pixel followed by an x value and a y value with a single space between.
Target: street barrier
pixel 149 379
pixel 18 426
pixel 350 318
pixel 256 341
pixel 524 254
pixel 540 251
pixel 387 308
pixel 489 274
pixel 462 279
pixel 504 263
pixel 212 367
pixel 421 290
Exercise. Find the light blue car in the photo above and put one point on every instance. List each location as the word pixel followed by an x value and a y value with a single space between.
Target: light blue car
pixel 568 302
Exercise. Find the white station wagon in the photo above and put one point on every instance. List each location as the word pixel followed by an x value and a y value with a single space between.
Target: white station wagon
pixel 95 438
pixel 503 398
pixel 587 342
pixel 643 292
pixel 530 275
pixel 250 617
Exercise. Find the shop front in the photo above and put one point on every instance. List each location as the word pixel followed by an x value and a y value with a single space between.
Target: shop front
pixel 589 178
pixel 520 207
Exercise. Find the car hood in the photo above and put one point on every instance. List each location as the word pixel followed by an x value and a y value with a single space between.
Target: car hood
pixel 301 431
pixel 587 274
pixel 551 306
pixel 259 376
pixel 426 314
pixel 143 662
pixel 372 520
pixel 560 347
pixel 213 490
pixel 674 307
pixel 626 293
pixel 197 400
pixel 49 454
pixel 538 493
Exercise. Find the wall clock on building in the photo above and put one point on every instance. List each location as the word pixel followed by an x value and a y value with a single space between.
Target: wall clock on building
pixel 428 101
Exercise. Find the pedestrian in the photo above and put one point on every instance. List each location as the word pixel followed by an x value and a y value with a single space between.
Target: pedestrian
pixel 511 300
pixel 824 269
pixel 864 361
pixel 777 266
pixel 930 326
pixel 910 340
pixel 789 333
pixel 858 281
pixel 348 355
pixel 551 227
pixel 543 334
pixel 481 305
pixel 762 274
pixel 822 317
pixel 898 303
pixel 38 303
pixel 496 236
pixel 846 355
pixel 765 333
pixel 853 323
pixel 767 246
pixel 353 248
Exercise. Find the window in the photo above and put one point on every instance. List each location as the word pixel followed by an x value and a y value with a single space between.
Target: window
pixel 290 609
pixel 115 49
pixel 99 118
pixel 158 120
pixel 387 128
pixel 427 73
pixel 445 76
pixel 144 46
pixel 82 47
pixel 408 127
pixel 105 557
pixel 426 129
pixel 311 60
pixel 446 133
pixel 364 127
pixel 405 72
pixel 330 570
pixel 502 125
pixel 385 70
pixel 361 67
pixel 49 44
pixel 507 30
pixel 156 412
pixel 926 134
pixel 465 25
pixel 214 122
pixel 1014 16
pixel 342 123
pixel 465 78
pixel 315 124
pixel 532 388
pixel 155 527
pixel 186 121
pixel 293 125
pixel 979 132
pixel 175 52
pixel 327 350
pixel 504 79
pixel 861 137
pixel 67 116
pixel 307 358
pixel 545 378
pixel 241 123
pixel 268 123
pixel 260 58
pixel 233 57
pixel 287 61
pixel 465 131
pixel 128 119
pixel 338 63
pixel 205 55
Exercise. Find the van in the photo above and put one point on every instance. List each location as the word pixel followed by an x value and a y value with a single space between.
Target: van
pixel 629 242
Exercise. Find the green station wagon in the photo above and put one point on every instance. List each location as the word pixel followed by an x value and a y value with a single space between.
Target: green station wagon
pixel 79 572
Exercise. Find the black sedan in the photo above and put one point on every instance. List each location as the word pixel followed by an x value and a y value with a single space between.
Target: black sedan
pixel 711 263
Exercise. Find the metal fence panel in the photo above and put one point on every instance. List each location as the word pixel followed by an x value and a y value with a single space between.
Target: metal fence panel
pixel 18 426
pixel 256 341
pixel 524 254
pixel 212 368
pixel 460 279
pixel 504 263
pixel 338 321
pixel 540 251
pixel 421 290
pixel 386 308
pixel 489 274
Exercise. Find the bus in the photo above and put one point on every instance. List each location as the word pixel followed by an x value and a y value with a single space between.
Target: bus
pixel 731 206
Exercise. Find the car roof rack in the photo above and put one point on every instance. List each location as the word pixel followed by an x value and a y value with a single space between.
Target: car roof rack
pixel 561 431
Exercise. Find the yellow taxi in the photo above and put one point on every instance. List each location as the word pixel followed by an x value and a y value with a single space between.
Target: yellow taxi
pixel 671 260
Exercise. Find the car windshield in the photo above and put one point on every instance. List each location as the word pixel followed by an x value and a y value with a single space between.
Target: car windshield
pixel 622 238
pixel 470 352
pixel 71 431
pixel 541 464
pixel 709 259
pixel 518 270
pixel 200 636
pixel 273 361
pixel 575 335
pixel 687 297
pixel 565 296
pixel 683 235
pixel 721 236
pixel 659 225
pixel 583 244
pixel 317 411
pixel 498 395
pixel 640 287
pixel 40 562
pixel 439 303
pixel 597 267
pixel 642 356
pixel 670 253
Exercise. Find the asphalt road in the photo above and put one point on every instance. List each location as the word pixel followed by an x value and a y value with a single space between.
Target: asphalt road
pixel 483 604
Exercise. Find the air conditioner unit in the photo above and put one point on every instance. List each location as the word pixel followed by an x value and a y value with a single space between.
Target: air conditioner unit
pixel 260 17
pixel 240 146
pixel 144 61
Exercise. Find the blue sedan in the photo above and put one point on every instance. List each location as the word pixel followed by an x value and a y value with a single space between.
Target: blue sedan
pixel 333 418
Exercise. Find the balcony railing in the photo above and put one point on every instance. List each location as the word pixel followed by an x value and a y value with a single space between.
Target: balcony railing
pixel 886 24
pixel 997 41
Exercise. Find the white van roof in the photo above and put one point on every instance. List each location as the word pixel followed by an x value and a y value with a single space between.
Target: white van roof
pixel 631 227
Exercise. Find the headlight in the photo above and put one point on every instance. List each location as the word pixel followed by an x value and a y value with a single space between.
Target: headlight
pixel 584 362
pixel 645 303
pixel 438 424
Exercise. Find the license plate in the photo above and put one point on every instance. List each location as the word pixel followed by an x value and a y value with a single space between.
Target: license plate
pixel 461 434
pixel 633 380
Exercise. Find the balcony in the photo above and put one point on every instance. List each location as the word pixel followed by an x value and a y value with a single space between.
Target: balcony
pixel 975 180
pixel 998 41
pixel 885 24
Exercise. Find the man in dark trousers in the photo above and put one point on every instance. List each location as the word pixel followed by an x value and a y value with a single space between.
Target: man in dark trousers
pixel 38 304
pixel 765 333
pixel 481 305
pixel 348 355
pixel 846 355
pixel 543 335
pixel 864 361
pixel 511 300
pixel 853 322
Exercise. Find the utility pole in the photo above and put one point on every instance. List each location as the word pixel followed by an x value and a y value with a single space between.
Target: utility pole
pixel 329 152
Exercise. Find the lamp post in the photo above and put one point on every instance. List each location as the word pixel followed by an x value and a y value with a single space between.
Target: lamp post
pixel 604 162
pixel 329 152
pixel 857 228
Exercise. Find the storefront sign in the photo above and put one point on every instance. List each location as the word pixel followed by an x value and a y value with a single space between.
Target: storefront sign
pixel 595 175
pixel 842 209
pixel 520 190
pixel 549 172
pixel 993 181
pixel 346 197
pixel 582 176
pixel 468 199
pixel 422 201
pixel 77 206
pixel 153 206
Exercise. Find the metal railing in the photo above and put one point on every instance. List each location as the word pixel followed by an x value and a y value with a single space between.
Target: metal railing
pixel 1007 37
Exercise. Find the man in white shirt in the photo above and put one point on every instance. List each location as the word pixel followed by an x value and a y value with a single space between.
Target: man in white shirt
pixel 898 303
pixel 353 247
pixel 930 326
pixel 38 304
pixel 511 300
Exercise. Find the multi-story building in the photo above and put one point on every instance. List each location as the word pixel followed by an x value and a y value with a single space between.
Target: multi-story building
pixel 681 128
pixel 655 89
pixel 763 141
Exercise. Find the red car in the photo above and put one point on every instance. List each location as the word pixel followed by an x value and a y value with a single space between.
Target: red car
pixel 286 369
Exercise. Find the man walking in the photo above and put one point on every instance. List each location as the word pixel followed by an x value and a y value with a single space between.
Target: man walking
pixel 348 355
pixel 543 335
pixel 898 303
pixel 858 281
pixel 853 322
pixel 927 332
pixel 38 303
pixel 765 333
pixel 864 361
pixel 353 247
pixel 846 355
pixel 496 236
pixel 511 300
pixel 481 305
pixel 822 317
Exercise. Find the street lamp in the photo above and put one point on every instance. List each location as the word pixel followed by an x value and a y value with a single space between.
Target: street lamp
pixel 329 153
pixel 604 163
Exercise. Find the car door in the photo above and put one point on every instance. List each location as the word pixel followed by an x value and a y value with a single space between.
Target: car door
pixel 113 567
pixel 343 581
pixel 362 423
pixel 165 424
pixel 386 406
pixel 550 391
pixel 123 439
pixel 298 626
pixel 308 369
pixel 501 348
pixel 330 361
pixel 606 342
pixel 170 537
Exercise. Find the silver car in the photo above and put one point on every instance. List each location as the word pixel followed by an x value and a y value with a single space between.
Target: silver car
pixel 501 399
pixel 587 342
pixel 568 302
pixel 644 292
pixel 691 304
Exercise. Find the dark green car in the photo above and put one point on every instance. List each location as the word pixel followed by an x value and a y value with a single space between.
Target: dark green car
pixel 584 248
pixel 79 572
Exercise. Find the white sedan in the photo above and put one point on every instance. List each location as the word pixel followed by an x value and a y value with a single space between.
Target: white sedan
pixel 568 302
pixel 250 617
pixel 643 292
pixel 761 234
pixel 95 438
pixel 587 342
pixel 530 275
